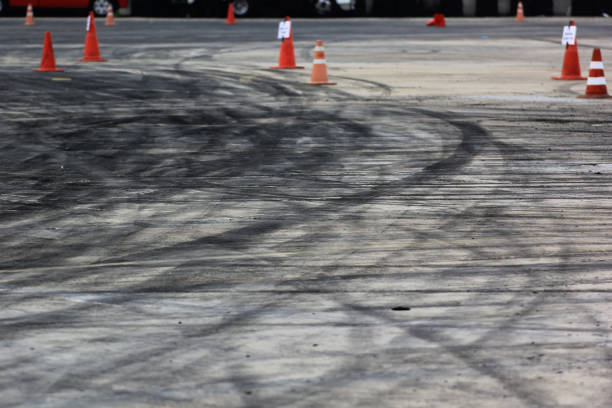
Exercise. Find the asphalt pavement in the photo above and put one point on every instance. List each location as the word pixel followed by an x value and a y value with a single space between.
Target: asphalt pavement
pixel 184 227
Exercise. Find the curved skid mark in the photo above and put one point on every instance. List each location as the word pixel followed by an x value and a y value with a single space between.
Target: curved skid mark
pixel 170 153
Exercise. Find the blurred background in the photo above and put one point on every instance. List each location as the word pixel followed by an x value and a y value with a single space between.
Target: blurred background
pixel 312 8
pixel 381 8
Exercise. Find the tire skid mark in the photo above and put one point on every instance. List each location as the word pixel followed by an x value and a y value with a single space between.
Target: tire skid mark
pixel 242 237
pixel 457 156
pixel 237 236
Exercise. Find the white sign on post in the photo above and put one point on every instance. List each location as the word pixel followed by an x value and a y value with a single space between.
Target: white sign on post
pixel 569 35
pixel 284 29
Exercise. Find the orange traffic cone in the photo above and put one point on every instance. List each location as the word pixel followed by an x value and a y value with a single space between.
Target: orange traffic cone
pixel 571 63
pixel 110 16
pixel 438 20
pixel 29 16
pixel 319 67
pixel 286 59
pixel 596 84
pixel 231 19
pixel 520 12
pixel 47 62
pixel 92 51
pixel 441 21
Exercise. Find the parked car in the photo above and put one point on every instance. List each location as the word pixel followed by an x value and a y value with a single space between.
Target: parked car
pixel 243 8
pixel 99 7
pixel 316 7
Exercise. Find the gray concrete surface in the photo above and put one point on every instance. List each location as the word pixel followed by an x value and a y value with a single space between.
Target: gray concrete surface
pixel 183 227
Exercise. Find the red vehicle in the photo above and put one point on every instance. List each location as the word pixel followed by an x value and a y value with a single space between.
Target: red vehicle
pixel 98 6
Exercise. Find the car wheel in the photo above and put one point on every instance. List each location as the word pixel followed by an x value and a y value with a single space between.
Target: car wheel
pixel 323 7
pixel 100 7
pixel 243 7
pixel 3 6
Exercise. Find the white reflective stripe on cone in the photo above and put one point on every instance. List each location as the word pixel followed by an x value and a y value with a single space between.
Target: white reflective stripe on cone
pixel 597 65
pixel 596 81
pixel 320 61
pixel 319 49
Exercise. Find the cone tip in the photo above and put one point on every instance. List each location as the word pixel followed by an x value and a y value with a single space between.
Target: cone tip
pixel 596 54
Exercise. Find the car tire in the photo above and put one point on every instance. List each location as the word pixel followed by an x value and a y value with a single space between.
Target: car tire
pixel 324 8
pixel 244 8
pixel 100 7
pixel 3 7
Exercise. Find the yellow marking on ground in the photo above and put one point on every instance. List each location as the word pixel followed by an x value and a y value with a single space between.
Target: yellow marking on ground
pixel 61 79
pixel 246 79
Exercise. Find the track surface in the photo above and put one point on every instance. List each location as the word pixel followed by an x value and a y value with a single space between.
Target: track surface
pixel 182 227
